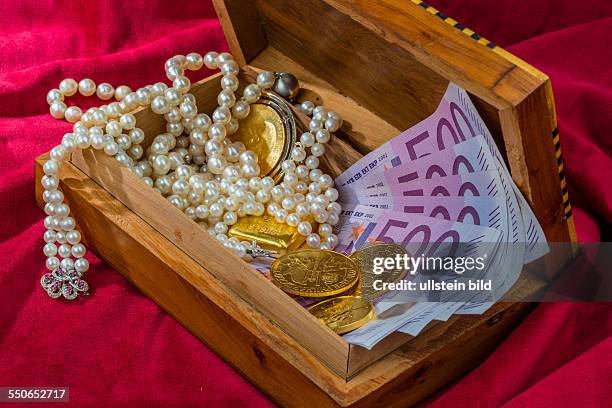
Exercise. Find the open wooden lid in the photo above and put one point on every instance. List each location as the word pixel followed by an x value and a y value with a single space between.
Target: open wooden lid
pixel 396 58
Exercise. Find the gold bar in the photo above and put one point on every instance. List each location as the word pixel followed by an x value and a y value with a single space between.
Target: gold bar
pixel 268 233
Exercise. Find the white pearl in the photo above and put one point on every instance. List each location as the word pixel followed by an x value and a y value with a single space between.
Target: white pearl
pixel 325 230
pixel 68 87
pixel 181 84
pixel 51 167
pixel 61 237
pixel 217 132
pixel 241 109
pixel 332 124
pixel 232 126
pixel 73 114
pixel 49 236
pixel 58 153
pixel 312 162
pixel 52 263
pixel 121 92
pixel 267 183
pixel 293 220
pixel 325 181
pixel 87 87
pixel 81 265
pixel 137 136
pixel 229 68
pixel 307 139
pixel 64 250
pixel 265 79
pixel 252 93
pixel 49 182
pixel 194 61
pixel 216 164
pixel 73 237
pixel 57 109
pixel 67 264
pixel 281 215
pixel 313 240
pixel 315 125
pixel 54 95
pixel 143 95
pixel 50 249
pixel 226 98
pixel 302 209
pixel 298 154
pixel 323 136
pixel 160 105
pixel 331 194
pixel 210 60
pixel 304 228
pixel 105 91
pixel 317 150
pixel 111 148
pixel 221 115
pixel 333 219
pixel 307 107
pixel 302 172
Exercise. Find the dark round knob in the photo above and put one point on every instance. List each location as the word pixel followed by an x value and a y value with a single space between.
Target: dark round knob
pixel 286 85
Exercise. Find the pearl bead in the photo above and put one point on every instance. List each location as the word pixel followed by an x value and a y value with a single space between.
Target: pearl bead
pixel 144 96
pixel 105 91
pixel 52 263
pixel 333 219
pixel 332 125
pixel 304 228
pixel 322 136
pixel 57 109
pixel 317 150
pixel 54 95
pixel 73 114
pixel 252 93
pixel 307 139
pixel 61 237
pixel 194 61
pixel 313 240
pixel 160 105
pixel 50 249
pixel 312 162
pixel 265 79
pixel 210 60
pixel 51 167
pixel 49 182
pixel 73 237
pixel 331 194
pixel 241 109
pixel 221 115
pixel 87 87
pixel 217 132
pixel 293 220
pixel 182 84
pixel 325 230
pixel 49 236
pixel 229 68
pixel 298 154
pixel 81 265
pixel 315 125
pixel 307 107
pixel 68 87
pixel 325 181
pixel 121 92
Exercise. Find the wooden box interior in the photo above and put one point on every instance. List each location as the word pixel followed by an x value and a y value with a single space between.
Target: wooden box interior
pixel 383 65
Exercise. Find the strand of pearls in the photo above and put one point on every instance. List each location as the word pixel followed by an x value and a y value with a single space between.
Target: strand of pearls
pixel 212 180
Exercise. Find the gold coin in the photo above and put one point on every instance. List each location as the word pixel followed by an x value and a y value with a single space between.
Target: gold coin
pixel 263 132
pixel 365 256
pixel 314 273
pixel 343 314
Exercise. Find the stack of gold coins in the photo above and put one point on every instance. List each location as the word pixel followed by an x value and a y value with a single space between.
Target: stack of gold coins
pixel 316 273
pixel 346 282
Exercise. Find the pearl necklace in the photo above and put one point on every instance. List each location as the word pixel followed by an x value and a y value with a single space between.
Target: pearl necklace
pixel 212 180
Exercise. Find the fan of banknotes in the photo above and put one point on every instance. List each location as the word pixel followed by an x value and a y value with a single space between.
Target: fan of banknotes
pixel 443 180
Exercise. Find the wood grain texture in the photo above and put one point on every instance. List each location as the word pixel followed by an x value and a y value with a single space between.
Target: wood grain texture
pixel 240 24
pixel 248 339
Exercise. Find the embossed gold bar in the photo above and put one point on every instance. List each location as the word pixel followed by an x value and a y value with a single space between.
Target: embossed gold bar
pixel 268 233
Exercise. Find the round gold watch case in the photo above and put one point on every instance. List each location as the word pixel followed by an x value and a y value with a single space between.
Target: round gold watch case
pixel 270 130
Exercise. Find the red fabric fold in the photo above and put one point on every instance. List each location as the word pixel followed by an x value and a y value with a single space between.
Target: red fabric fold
pixel 119 349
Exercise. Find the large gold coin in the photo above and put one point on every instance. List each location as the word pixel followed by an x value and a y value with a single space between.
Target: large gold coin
pixel 263 132
pixel 365 256
pixel 343 314
pixel 314 273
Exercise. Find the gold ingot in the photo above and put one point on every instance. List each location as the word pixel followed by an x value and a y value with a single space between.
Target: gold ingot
pixel 343 314
pixel 270 132
pixel 267 232
pixel 314 273
pixel 365 256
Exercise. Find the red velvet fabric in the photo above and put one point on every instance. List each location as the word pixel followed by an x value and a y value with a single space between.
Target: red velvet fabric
pixel 119 349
